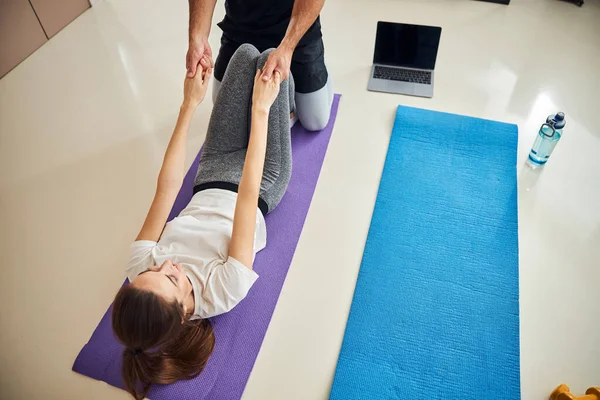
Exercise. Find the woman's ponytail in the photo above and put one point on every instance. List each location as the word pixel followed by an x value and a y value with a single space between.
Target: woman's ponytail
pixel 162 344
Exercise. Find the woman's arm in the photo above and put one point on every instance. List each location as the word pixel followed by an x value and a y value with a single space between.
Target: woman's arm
pixel 244 221
pixel 172 171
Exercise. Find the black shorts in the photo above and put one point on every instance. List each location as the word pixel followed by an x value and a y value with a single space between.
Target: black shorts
pixel 308 64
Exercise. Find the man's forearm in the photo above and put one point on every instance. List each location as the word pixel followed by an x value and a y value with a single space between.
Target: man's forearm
pixel 304 14
pixel 201 13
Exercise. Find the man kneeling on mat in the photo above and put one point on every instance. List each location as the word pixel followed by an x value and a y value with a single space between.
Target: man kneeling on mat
pixel 200 265
pixel 292 26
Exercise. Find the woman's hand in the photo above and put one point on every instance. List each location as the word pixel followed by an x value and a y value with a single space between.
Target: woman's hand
pixel 194 89
pixel 265 91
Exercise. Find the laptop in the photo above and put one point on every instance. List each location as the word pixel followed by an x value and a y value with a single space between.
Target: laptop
pixel 404 59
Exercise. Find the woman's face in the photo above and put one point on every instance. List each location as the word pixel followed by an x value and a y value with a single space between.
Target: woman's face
pixel 168 280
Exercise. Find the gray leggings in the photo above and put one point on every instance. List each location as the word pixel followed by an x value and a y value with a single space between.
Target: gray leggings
pixel 226 141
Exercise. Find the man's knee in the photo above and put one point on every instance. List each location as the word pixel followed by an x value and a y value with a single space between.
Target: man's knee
pixel 316 120
pixel 314 109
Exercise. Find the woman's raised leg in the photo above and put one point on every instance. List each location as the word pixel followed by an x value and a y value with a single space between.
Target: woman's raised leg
pixel 227 136
pixel 278 159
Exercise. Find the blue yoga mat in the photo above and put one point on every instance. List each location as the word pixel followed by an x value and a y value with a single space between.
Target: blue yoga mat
pixel 435 313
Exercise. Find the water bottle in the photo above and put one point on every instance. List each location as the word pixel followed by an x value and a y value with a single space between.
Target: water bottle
pixel 546 140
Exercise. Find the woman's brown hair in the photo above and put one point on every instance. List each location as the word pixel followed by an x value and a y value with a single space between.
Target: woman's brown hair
pixel 162 345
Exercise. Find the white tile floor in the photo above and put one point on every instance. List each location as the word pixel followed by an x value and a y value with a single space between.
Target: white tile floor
pixel 84 122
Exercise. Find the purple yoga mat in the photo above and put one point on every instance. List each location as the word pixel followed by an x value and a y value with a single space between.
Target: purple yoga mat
pixel 239 333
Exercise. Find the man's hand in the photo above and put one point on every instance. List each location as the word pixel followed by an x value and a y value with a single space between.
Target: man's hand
pixel 279 60
pixel 199 54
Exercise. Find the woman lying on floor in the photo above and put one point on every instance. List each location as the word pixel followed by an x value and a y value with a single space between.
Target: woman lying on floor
pixel 201 264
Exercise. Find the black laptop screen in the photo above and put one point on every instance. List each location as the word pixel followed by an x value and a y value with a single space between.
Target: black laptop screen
pixel 413 46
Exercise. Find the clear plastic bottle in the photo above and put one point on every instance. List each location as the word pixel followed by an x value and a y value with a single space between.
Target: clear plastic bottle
pixel 546 140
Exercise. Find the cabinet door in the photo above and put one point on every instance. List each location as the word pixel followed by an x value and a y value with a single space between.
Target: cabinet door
pixel 56 14
pixel 20 33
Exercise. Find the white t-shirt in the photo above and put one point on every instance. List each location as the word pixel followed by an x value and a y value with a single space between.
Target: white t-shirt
pixel 198 240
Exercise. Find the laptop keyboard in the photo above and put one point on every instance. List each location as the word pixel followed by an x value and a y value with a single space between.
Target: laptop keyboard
pixel 401 74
